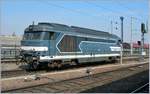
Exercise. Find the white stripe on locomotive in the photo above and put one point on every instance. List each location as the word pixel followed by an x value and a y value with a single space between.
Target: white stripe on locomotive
pixel 35 48
pixel 75 56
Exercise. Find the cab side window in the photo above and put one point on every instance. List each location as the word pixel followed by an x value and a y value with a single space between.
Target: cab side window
pixel 50 35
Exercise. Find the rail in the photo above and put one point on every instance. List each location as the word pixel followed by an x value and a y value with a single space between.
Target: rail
pixel 137 90
pixel 75 84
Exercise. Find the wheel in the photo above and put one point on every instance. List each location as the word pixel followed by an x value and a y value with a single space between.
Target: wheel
pixel 29 67
pixel 76 61
pixel 32 66
pixel 17 60
pixel 59 64
pixel 113 59
pixel 73 62
pixel 35 65
pixel 51 65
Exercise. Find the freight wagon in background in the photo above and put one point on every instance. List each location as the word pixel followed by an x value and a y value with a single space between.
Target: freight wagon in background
pixel 136 49
pixel 54 44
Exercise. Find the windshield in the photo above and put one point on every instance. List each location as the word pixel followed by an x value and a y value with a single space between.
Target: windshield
pixel 38 36
pixel 32 36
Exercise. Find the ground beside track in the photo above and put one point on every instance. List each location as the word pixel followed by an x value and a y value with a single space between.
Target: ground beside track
pixel 19 72
pixel 86 83
pixel 125 85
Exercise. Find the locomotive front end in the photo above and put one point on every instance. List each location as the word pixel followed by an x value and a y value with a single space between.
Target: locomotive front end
pixel 31 52
pixel 35 43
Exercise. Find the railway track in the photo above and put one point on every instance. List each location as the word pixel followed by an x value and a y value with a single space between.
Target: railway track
pixel 82 83
pixel 142 89
pixel 15 73
pixel 22 72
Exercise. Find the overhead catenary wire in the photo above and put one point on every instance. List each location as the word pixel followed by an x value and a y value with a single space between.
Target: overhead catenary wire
pixel 114 11
pixel 99 6
pixel 89 14
pixel 86 13
pixel 79 12
pixel 111 10
pixel 72 10
pixel 131 10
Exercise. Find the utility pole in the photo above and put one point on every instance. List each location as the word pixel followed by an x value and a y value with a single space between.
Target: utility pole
pixel 131 45
pixel 142 43
pixel 121 52
pixel 121 18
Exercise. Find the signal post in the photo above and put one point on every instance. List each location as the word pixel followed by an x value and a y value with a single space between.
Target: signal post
pixel 143 31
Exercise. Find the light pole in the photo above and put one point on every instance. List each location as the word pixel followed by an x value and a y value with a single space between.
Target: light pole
pixel 131 46
pixel 121 18
pixel 121 53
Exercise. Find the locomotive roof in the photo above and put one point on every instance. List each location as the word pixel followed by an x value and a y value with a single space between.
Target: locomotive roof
pixel 43 26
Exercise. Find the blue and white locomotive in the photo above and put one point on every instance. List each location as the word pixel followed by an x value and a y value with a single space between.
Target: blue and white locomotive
pixel 56 44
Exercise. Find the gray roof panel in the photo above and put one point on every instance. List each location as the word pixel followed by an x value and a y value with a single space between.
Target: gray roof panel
pixel 43 26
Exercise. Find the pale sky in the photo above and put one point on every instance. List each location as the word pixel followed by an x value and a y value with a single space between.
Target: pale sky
pixel 16 15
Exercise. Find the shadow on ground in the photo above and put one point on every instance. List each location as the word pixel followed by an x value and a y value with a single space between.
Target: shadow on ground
pixel 125 85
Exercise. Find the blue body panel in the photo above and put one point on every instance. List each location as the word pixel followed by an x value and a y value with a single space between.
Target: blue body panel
pixel 96 48
pixel 88 46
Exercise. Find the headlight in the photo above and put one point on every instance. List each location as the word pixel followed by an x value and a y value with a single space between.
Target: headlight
pixel 34 58
pixel 20 56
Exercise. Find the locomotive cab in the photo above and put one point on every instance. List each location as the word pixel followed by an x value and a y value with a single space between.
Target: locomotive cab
pixel 36 42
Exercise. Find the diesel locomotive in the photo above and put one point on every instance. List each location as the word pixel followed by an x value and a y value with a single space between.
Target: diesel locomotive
pixel 53 45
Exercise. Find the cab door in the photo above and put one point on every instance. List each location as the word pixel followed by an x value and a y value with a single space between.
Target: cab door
pixel 52 39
